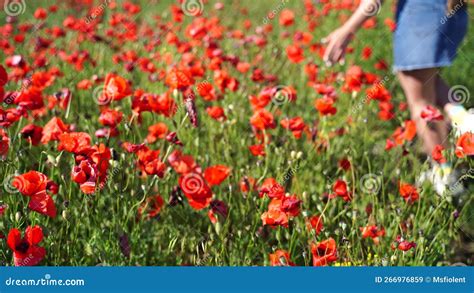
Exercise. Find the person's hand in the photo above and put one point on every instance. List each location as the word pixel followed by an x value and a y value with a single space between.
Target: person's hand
pixel 337 43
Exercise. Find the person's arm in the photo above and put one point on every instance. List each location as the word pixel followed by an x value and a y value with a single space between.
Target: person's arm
pixel 339 39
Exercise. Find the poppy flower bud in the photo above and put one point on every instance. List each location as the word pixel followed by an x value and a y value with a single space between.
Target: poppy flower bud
pixel 52 187
pixel 293 154
pixel 124 245
pixel 456 214
pixel 173 138
pixel 192 112
pixel 175 197
pixel 218 227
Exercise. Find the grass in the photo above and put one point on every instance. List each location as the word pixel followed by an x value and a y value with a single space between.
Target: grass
pixel 91 229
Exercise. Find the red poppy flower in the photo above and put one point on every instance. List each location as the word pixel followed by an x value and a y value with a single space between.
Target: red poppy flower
pixel 61 98
pixel 405 133
pixel 40 13
pixel 295 53
pixel 3 208
pixel 179 79
pixel 381 65
pixel 325 90
pixel 26 251
pixel 262 119
pixel 3 76
pixel 295 125
pixel 156 131
pixel 4 143
pixel 390 23
pixel 287 17
pixel 366 53
pixel 271 188
pixel 340 189
pixel 284 94
pixel 207 91
pixel 325 106
pixel 402 244
pixel 389 144
pixel 247 184
pixel 150 163
pixel 53 129
pixel 34 184
pixel 216 113
pixel 354 79
pixel 132 148
pixel 386 111
pixel 465 145
pixel 257 150
pixel 197 191
pixel 86 175
pixel 344 164
pixel 183 164
pixel 262 99
pixel 218 208
pixel 431 114
pixel 30 99
pixel 437 154
pixel 324 252
pixel 243 67
pixel 280 258
pixel 151 207
pixel 275 217
pixel 315 223
pixel 100 156
pixel 32 133
pixel 162 104
pixel 115 88
pixel 290 205
pixel 408 192
pixel 378 92
pixel 373 232
pixel 216 174
pixel 110 117
pixel 74 142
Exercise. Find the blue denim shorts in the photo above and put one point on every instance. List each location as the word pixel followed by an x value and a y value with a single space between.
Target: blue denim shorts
pixel 427 34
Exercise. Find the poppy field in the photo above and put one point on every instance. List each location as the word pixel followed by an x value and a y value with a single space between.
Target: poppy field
pixel 212 133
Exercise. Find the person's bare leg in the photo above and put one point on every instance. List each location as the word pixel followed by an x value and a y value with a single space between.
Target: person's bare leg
pixel 420 89
pixel 442 93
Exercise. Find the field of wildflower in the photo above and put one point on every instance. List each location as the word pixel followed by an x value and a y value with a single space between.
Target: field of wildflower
pixel 211 133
